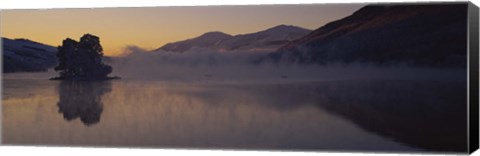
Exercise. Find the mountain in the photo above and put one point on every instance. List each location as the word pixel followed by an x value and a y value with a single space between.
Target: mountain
pixel 209 39
pixel 22 55
pixel 269 39
pixel 266 40
pixel 418 35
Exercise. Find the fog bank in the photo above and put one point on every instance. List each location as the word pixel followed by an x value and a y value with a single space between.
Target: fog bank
pixel 241 66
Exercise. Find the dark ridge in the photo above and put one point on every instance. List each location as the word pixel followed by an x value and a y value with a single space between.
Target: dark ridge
pixel 432 35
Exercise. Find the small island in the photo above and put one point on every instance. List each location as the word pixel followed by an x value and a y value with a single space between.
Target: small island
pixel 82 61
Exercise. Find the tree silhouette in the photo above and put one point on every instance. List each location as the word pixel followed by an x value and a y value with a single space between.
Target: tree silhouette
pixel 82 60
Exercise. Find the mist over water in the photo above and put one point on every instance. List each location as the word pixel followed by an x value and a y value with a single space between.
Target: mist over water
pixel 199 65
pixel 208 99
pixel 336 115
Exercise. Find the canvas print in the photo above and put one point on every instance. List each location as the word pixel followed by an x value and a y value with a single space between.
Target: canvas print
pixel 309 77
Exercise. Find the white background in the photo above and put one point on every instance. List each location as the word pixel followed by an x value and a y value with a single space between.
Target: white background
pixel 74 151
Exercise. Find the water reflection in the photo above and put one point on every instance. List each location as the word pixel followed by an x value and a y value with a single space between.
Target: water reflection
pixel 421 114
pixel 428 115
pixel 341 115
pixel 82 100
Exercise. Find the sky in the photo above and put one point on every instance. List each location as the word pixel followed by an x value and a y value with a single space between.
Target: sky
pixel 153 27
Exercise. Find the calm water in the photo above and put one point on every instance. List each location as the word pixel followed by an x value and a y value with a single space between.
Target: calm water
pixel 328 115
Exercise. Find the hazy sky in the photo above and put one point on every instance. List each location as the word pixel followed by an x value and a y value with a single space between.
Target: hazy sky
pixel 153 27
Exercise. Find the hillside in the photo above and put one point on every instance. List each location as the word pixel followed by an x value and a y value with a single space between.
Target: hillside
pixel 22 55
pixel 417 35
pixel 266 40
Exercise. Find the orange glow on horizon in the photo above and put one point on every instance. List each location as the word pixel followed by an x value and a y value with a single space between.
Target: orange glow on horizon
pixel 152 27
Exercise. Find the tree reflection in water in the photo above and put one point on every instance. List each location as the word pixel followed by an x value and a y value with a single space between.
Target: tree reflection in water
pixel 82 99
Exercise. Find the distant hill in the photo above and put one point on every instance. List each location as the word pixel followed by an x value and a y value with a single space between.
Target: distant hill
pixel 266 40
pixel 418 35
pixel 22 55
pixel 210 39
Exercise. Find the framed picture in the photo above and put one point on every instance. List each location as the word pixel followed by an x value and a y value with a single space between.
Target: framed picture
pixel 357 77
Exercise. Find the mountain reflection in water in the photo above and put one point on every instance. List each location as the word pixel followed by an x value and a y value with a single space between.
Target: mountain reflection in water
pixel 423 114
pixel 329 115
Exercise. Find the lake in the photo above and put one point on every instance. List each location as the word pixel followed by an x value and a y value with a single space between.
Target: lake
pixel 343 115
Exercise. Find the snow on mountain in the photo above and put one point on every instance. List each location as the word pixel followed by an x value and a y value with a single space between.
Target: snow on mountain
pixel 266 40
pixel 22 55
pixel 210 39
